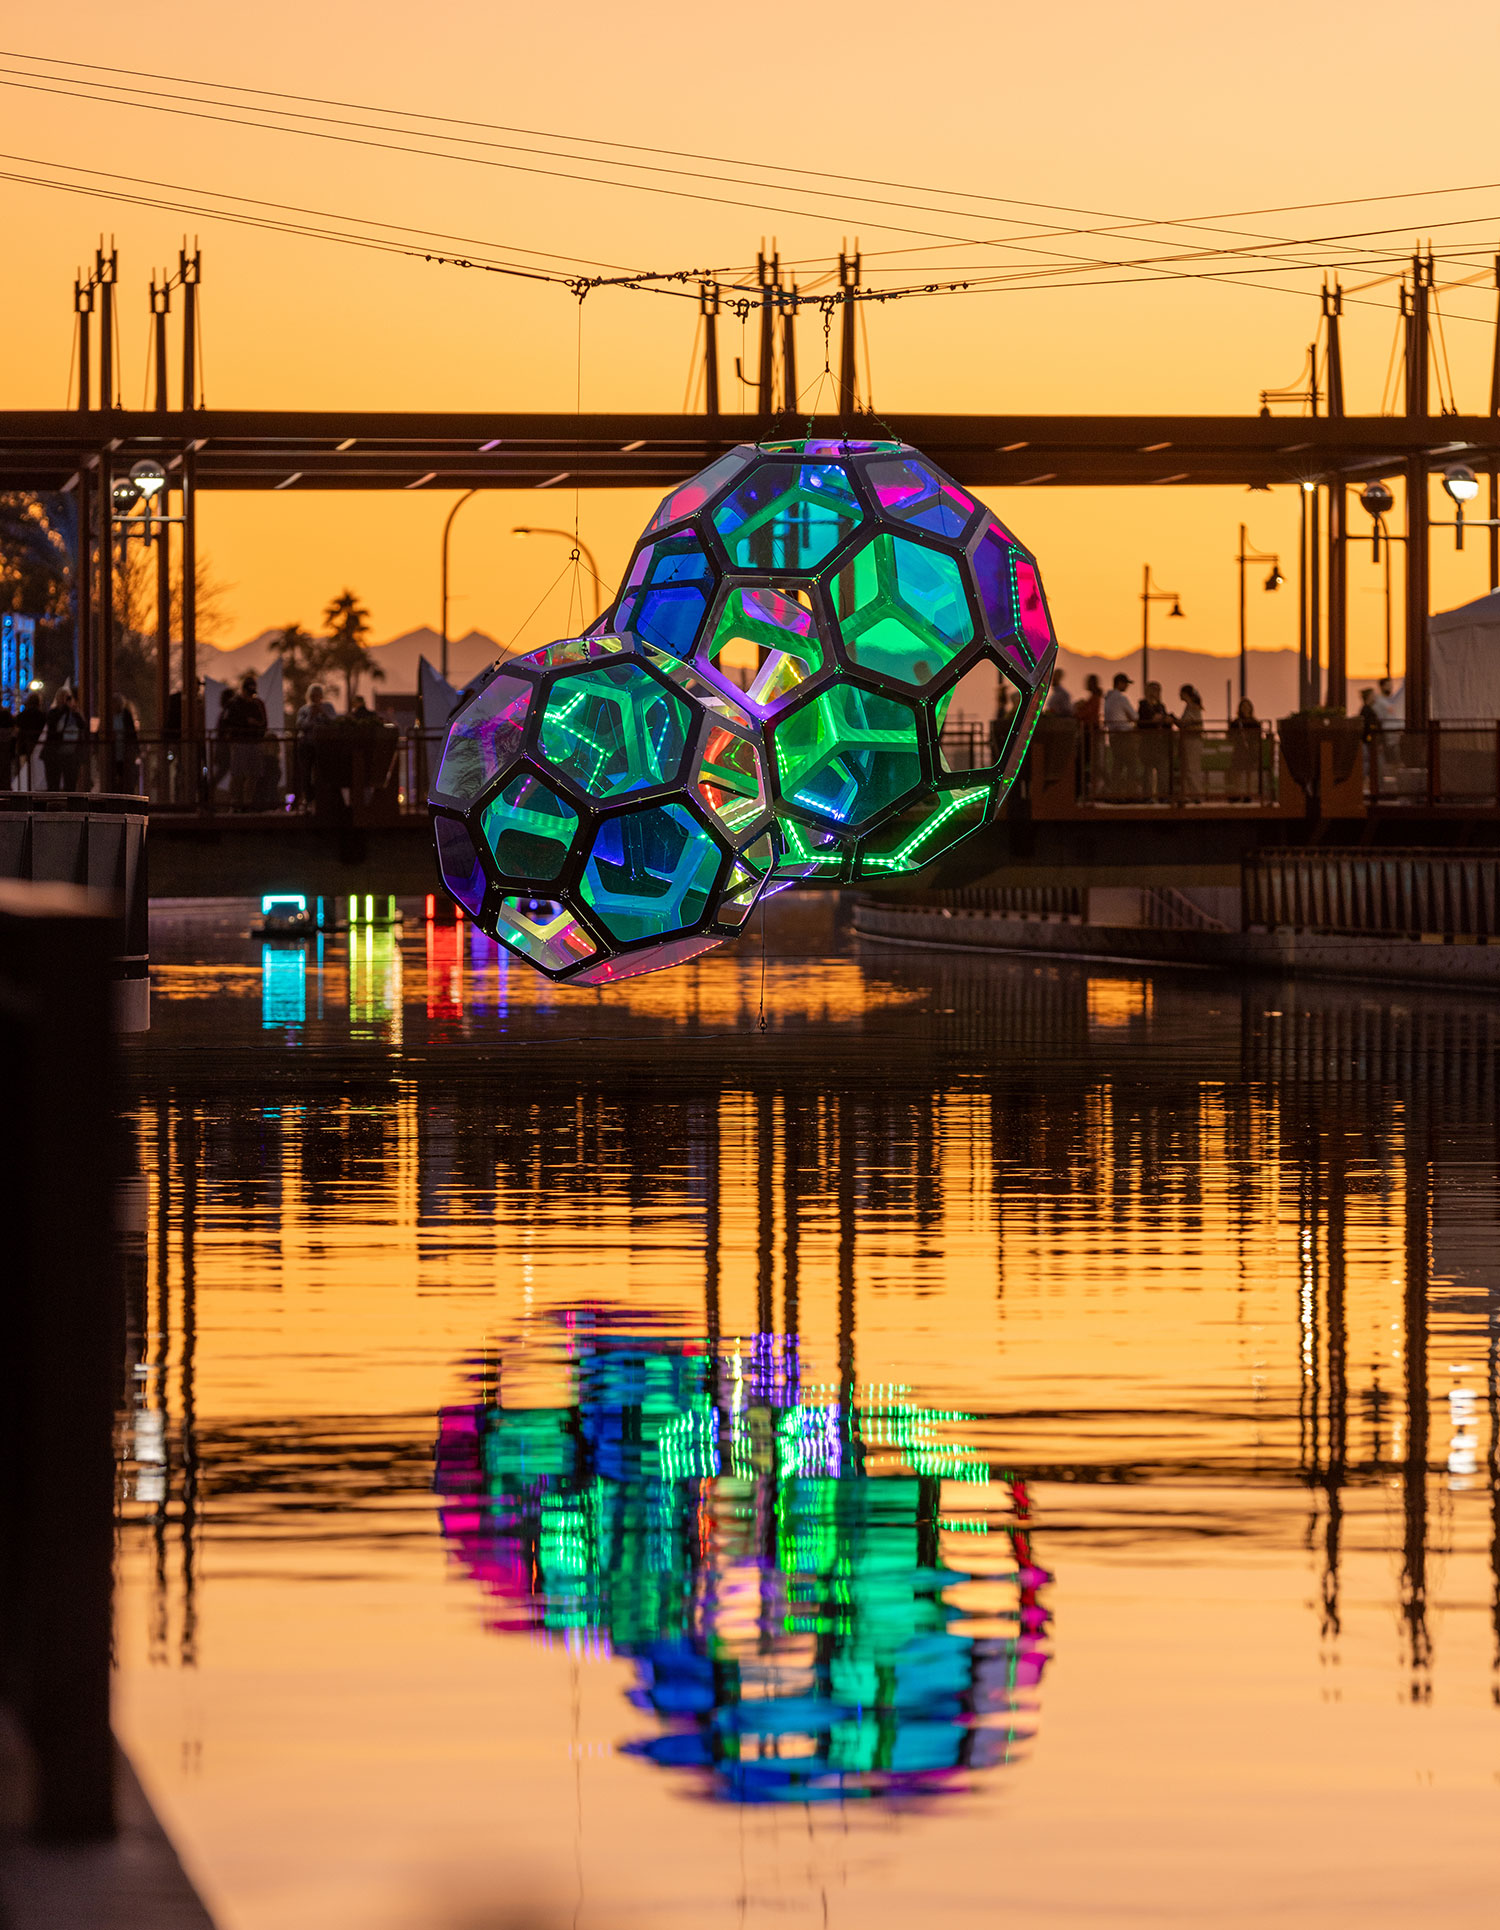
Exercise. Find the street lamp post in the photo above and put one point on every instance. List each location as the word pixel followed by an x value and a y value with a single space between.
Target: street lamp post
pixel 581 552
pixel 1274 581
pixel 1148 597
pixel 447 528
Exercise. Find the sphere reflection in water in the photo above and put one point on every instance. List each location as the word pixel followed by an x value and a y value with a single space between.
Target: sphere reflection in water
pixel 778 1564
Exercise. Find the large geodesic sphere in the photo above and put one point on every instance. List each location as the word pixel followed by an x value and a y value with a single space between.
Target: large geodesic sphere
pixel 851 596
pixel 604 810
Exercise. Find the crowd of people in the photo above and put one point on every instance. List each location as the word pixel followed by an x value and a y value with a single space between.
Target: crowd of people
pixel 1127 748
pixel 58 748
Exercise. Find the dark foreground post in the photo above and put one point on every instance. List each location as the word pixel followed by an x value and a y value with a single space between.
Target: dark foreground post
pixel 60 1310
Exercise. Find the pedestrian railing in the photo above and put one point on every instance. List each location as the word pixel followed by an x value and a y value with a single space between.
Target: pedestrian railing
pixel 1449 764
pixel 1175 767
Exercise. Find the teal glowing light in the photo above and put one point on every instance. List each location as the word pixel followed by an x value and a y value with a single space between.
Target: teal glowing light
pixel 778 1562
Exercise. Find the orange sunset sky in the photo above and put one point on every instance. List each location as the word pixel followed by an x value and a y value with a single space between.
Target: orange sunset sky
pixel 1162 112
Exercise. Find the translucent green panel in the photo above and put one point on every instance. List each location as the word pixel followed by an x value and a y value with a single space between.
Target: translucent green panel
pixel 767 641
pixel 788 515
pixel 807 854
pixel 924 832
pixel 544 931
pixel 486 736
pixel 650 873
pixel 614 730
pixel 530 830
pixel 739 895
pixel 730 780
pixel 847 755
pixel 902 610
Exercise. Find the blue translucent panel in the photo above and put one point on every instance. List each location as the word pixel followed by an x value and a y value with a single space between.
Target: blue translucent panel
pixel 994 559
pixel 788 516
pixel 908 491
pixel 666 594
pixel 700 489
pixel 458 861
pixel 614 729
pixel 484 738
pixel 530 830
pixel 650 873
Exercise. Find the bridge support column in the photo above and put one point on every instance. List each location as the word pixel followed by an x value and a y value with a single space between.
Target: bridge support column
pixel 1338 598
pixel 1417 676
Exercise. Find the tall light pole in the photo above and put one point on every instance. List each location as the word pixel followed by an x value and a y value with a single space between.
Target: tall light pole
pixel 1273 582
pixel 581 551
pixel 447 528
pixel 1148 597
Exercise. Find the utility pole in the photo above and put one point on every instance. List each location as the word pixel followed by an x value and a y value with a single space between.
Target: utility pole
pixel 1417 671
pixel 848 289
pixel 1494 529
pixel 190 275
pixel 161 304
pixel 708 308
pixel 106 272
pixel 769 273
pixel 83 308
pixel 83 586
pixel 1337 692
pixel 789 349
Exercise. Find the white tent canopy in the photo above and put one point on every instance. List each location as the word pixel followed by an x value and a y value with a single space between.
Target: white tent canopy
pixel 1464 648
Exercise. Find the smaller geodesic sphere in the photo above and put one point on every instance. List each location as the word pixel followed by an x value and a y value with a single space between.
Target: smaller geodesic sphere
pixel 857 602
pixel 603 810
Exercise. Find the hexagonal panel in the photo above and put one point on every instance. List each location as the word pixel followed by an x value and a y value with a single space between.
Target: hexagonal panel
pixel 484 739
pixel 530 830
pixel 908 491
pixel 730 780
pixel 667 593
pixel 543 930
pixel 614 729
pixel 766 640
pixel 902 610
pixel 650 872
pixel 924 831
pixel 458 861
pixel 846 754
pixel 702 488
pixel 788 515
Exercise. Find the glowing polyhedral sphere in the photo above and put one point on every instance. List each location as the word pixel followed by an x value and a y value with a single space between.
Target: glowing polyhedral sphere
pixel 603 809
pixel 850 595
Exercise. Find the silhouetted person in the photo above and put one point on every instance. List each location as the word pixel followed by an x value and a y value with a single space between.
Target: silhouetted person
pixel 1190 738
pixel 245 726
pixel 1059 703
pixel 1244 759
pixel 123 747
pixel 65 744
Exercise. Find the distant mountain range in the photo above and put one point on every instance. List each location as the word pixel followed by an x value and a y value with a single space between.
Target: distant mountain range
pixel 1272 673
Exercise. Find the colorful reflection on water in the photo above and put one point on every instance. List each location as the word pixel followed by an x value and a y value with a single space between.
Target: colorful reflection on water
pixel 1007 1436
pixel 785 1598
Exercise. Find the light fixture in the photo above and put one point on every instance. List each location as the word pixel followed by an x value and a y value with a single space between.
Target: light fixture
pixel 124 496
pixel 148 476
pixel 1308 488
pixel 1176 610
pixel 520 532
pixel 1275 580
pixel 1377 499
pixel 1461 483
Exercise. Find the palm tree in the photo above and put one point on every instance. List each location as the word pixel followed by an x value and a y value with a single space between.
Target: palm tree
pixel 304 658
pixel 348 624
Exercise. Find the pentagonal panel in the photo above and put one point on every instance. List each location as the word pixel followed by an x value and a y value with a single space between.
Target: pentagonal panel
pixel 766 640
pixel 972 716
pixel 902 610
pixel 701 489
pixel 650 872
pixel 667 593
pixel 458 861
pixel 543 930
pixel 924 831
pixel 908 491
pixel 654 958
pixel 808 854
pixel 847 755
pixel 614 730
pixel 484 739
pixel 699 688
pixel 730 780
pixel 530 830
pixel 788 516
pixel 1036 629
pixel 994 559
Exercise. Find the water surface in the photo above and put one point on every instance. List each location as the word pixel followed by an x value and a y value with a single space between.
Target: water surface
pixel 998 1441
